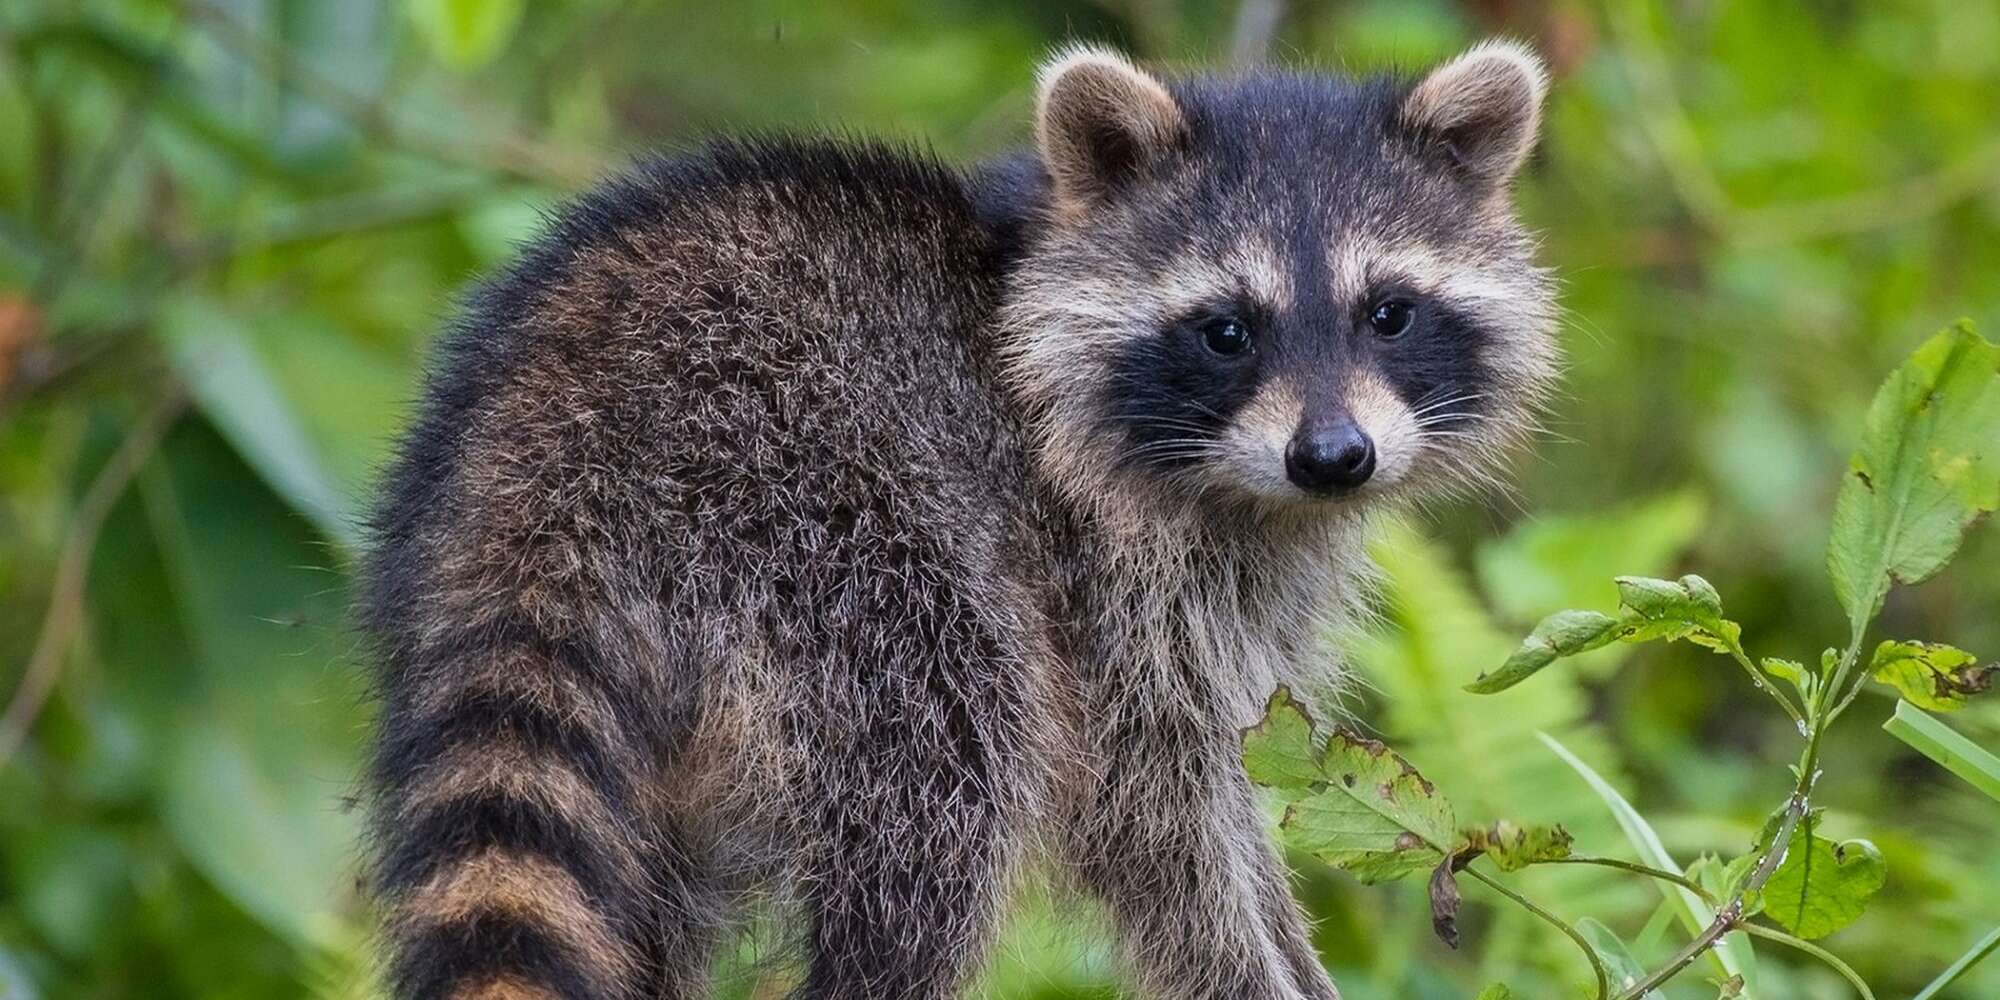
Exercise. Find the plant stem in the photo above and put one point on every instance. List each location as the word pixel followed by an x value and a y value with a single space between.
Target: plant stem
pixel 1771 934
pixel 1596 964
pixel 1730 917
pixel 1966 961
pixel 1764 684
pixel 1638 869
pixel 1829 686
pixel 65 614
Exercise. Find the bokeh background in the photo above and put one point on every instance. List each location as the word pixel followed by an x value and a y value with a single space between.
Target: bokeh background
pixel 228 228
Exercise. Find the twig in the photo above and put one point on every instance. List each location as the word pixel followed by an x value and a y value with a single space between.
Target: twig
pixel 80 211
pixel 514 154
pixel 1762 683
pixel 1666 124
pixel 1596 964
pixel 1638 869
pixel 1879 208
pixel 1730 917
pixel 73 566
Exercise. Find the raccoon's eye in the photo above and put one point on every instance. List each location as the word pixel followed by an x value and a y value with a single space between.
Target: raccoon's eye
pixel 1391 318
pixel 1226 336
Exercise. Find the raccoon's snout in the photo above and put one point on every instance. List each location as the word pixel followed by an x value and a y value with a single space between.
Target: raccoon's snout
pixel 1327 458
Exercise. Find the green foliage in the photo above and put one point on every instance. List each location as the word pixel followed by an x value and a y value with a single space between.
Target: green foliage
pixel 1954 752
pixel 466 34
pixel 265 208
pixel 1930 675
pixel 1350 801
pixel 1821 886
pixel 1929 462
pixel 1732 954
pixel 1900 517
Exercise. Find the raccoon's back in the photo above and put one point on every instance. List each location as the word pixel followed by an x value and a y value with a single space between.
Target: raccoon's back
pixel 737 357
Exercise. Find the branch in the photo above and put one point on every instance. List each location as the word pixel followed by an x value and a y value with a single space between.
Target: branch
pixel 514 154
pixel 1638 869
pixel 1770 934
pixel 1730 917
pixel 1666 125
pixel 73 566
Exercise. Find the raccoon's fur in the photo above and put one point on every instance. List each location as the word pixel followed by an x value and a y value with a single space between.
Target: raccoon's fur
pixel 806 522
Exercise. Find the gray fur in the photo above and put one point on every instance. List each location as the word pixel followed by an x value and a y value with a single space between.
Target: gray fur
pixel 767 536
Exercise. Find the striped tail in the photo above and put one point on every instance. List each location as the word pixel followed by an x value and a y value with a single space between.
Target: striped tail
pixel 512 852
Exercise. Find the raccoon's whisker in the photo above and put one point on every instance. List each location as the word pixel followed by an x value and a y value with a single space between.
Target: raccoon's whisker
pixel 1422 407
pixel 1448 420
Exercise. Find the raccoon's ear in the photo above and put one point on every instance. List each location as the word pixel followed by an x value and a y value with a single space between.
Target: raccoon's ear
pixel 1481 110
pixel 1099 120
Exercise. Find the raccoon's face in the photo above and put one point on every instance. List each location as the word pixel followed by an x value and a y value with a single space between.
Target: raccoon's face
pixel 1280 289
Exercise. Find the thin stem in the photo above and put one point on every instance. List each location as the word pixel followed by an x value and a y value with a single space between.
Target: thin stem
pixel 1730 917
pixel 1638 869
pixel 1763 683
pixel 1596 964
pixel 1848 659
pixel 1723 923
pixel 73 568
pixel 1772 934
pixel 508 152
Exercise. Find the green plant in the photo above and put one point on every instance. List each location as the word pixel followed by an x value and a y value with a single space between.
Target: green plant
pixel 1927 467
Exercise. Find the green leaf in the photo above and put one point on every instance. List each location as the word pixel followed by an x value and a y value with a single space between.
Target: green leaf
pixel 466 34
pixel 1687 608
pixel 1942 744
pixel 1929 462
pixel 1497 991
pixel 236 390
pixel 1623 967
pixel 1470 745
pixel 1931 675
pixel 1514 847
pixel 1822 886
pixel 1650 609
pixel 1279 751
pixel 1360 806
pixel 1732 953
pixel 1554 561
pixel 1564 633
pixel 1793 672
pixel 261 747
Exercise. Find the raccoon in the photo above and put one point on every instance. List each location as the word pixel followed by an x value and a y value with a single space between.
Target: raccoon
pixel 807 526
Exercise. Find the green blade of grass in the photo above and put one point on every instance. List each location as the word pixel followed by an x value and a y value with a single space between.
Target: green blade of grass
pixel 1959 968
pixel 1732 953
pixel 1944 745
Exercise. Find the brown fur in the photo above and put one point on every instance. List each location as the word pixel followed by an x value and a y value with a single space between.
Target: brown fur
pixel 769 541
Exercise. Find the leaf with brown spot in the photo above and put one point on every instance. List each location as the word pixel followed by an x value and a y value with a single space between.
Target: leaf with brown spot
pixel 1513 846
pixel 1355 803
pixel 1931 675
pixel 1928 464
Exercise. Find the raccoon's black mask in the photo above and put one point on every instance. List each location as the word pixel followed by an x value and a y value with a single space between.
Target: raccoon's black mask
pixel 1281 287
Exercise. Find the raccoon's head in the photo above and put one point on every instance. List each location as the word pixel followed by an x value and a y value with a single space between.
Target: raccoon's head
pixel 1280 290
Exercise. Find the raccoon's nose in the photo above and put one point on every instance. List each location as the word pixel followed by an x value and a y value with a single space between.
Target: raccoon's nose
pixel 1325 459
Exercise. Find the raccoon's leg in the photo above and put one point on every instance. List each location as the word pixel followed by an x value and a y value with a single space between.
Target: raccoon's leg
pixel 1174 845
pixel 516 855
pixel 923 784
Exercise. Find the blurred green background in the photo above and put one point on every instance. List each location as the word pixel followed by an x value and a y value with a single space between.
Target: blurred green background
pixel 229 228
